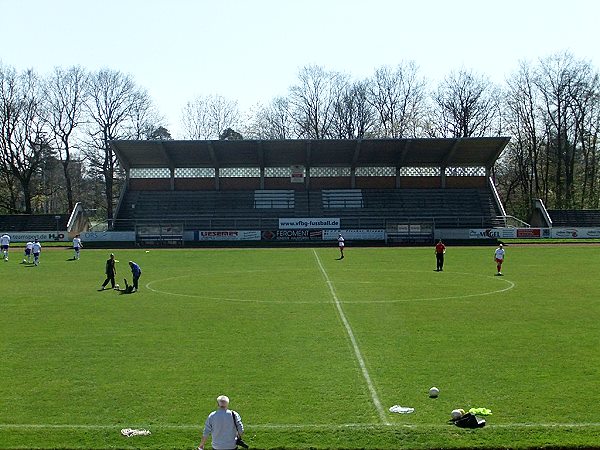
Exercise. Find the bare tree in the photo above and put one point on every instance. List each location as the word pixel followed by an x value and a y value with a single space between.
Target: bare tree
pixel 312 101
pixel 398 96
pixel 465 105
pixel 523 178
pixel 145 118
pixel 65 93
pixel 567 86
pixel 354 116
pixel 114 106
pixel 23 141
pixel 207 117
pixel 270 122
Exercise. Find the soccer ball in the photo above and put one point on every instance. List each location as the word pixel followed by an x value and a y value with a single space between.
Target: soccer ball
pixel 457 413
pixel 434 392
pixel 116 287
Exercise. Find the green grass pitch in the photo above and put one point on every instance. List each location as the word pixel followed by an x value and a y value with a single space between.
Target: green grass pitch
pixel 312 351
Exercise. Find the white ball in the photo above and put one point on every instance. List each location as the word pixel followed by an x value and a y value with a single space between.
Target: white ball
pixel 457 413
pixel 434 392
pixel 116 287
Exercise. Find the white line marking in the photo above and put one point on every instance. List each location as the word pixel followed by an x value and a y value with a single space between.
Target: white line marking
pixel 357 352
pixel 510 286
pixel 283 426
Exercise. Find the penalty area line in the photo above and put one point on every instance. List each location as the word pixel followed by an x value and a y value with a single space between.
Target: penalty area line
pixel 357 352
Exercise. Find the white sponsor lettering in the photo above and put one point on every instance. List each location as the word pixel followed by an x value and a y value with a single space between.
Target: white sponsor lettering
pixel 25 236
pixel 309 223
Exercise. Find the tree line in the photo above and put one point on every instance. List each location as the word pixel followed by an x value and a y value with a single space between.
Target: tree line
pixel 55 129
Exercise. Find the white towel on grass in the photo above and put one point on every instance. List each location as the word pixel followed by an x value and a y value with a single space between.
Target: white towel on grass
pixel 401 409
pixel 133 432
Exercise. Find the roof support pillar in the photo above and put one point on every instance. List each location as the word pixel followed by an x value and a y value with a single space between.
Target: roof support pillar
pixel 443 176
pixel 262 177
pixel 172 176
pixel 217 184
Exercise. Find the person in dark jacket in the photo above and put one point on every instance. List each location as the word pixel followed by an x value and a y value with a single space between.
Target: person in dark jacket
pixel 137 273
pixel 110 271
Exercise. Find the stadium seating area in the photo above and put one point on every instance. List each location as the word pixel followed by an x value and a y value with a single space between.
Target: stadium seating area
pixel 575 218
pixel 31 222
pixel 367 208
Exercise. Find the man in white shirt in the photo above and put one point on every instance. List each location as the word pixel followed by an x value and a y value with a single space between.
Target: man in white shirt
pixel 224 426
pixel 77 246
pixel 28 251
pixel 36 249
pixel 341 245
pixel 4 243
pixel 499 258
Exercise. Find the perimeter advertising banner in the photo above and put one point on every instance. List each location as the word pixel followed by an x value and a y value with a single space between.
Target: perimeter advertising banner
pixel 355 235
pixel 293 235
pixel 108 236
pixel 535 233
pixel 309 223
pixel 227 235
pixel 42 236
pixel 575 233
pixel 492 233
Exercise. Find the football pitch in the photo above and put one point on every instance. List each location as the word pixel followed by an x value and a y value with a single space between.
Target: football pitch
pixel 312 350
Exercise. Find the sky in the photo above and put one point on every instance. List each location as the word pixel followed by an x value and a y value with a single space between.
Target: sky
pixel 251 50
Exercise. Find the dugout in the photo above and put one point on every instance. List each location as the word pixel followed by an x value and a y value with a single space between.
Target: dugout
pixel 406 187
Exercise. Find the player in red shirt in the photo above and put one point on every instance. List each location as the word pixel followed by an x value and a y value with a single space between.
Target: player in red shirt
pixel 440 249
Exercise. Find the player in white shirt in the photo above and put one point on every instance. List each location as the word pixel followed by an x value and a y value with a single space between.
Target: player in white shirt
pixel 499 258
pixel 4 243
pixel 341 245
pixel 28 251
pixel 36 249
pixel 77 246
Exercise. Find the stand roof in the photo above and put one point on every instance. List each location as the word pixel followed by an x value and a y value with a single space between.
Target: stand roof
pixel 446 152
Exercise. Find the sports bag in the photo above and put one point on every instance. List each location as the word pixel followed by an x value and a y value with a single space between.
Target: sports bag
pixel 469 420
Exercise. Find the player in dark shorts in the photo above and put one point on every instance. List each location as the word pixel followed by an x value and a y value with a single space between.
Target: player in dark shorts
pixel 110 271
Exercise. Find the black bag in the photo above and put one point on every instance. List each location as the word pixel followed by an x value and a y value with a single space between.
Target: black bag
pixel 238 440
pixel 469 420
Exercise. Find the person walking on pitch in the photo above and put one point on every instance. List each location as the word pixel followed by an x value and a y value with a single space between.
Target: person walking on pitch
pixel 499 258
pixel 341 245
pixel 36 249
pixel 4 244
pixel 440 251
pixel 28 251
pixel 77 246
pixel 110 270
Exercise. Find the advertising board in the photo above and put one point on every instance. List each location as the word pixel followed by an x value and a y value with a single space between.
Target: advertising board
pixel 492 233
pixel 575 233
pixel 227 235
pixel 108 236
pixel 293 235
pixel 42 236
pixel 355 235
pixel 304 223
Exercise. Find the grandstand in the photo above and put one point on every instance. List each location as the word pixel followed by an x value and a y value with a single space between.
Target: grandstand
pixel 574 218
pixel 33 222
pixel 366 184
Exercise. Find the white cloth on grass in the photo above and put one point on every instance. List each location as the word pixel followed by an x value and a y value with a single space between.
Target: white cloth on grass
pixel 133 432
pixel 401 409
